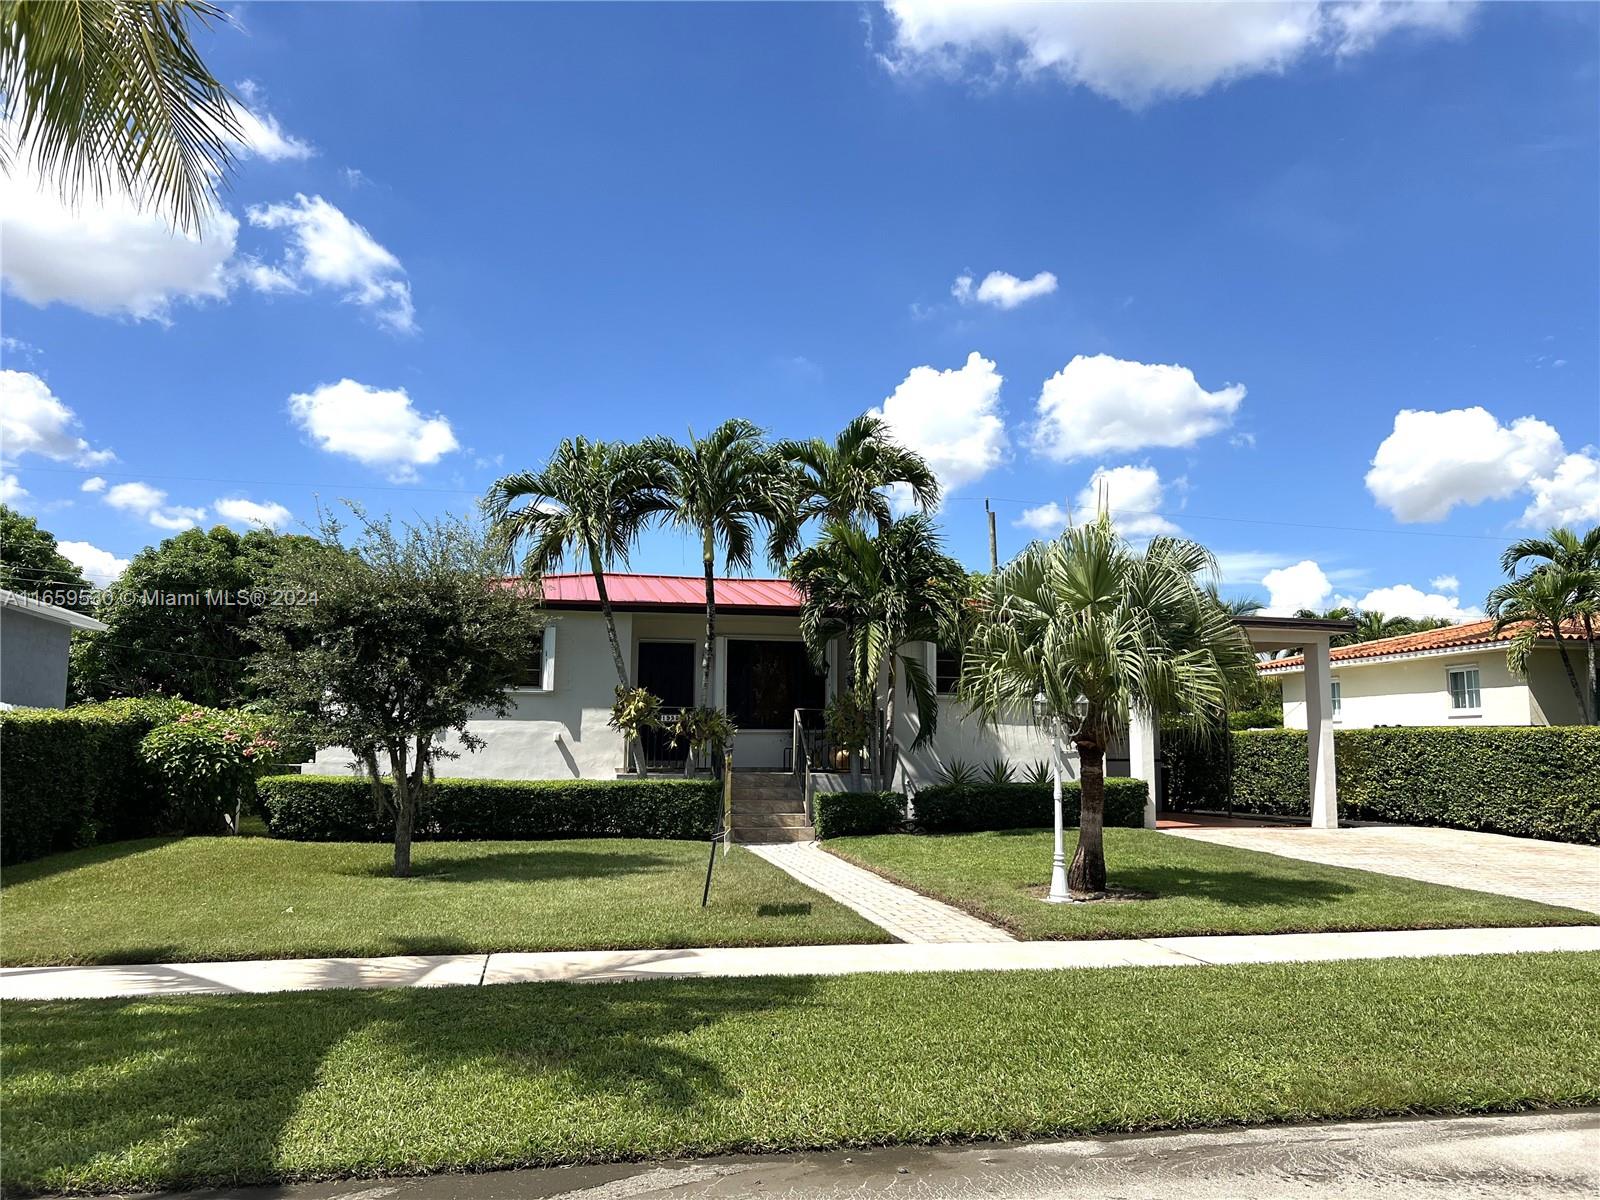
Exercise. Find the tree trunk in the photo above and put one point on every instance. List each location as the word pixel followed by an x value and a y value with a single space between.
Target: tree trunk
pixel 1594 679
pixel 888 756
pixel 404 810
pixel 1086 877
pixel 847 673
pixel 598 571
pixel 709 654
pixel 1572 678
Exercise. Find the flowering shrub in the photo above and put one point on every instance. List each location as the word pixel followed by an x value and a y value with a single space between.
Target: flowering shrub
pixel 208 761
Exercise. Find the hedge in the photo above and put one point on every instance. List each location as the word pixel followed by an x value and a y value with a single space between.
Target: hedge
pixel 951 808
pixel 1529 781
pixel 331 808
pixel 72 777
pixel 848 814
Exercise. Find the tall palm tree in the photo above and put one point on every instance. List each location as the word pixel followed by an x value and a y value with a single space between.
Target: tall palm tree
pixel 721 488
pixel 1566 550
pixel 112 94
pixel 1096 627
pixel 880 592
pixel 1540 604
pixel 591 499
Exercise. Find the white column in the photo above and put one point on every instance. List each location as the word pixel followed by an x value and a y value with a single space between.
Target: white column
pixel 1319 736
pixel 1142 741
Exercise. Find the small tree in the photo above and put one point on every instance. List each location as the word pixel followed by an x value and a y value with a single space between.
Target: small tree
pixel 389 644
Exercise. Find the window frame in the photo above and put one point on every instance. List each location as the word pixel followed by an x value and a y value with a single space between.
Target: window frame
pixel 547 665
pixel 938 652
pixel 1336 698
pixel 1474 710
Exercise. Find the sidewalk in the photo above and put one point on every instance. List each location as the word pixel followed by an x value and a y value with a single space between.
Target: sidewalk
pixel 610 966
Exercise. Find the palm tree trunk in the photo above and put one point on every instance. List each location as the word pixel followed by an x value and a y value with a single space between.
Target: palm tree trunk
pixel 1594 680
pixel 1086 877
pixel 847 672
pixel 888 757
pixel 634 744
pixel 1572 678
pixel 709 654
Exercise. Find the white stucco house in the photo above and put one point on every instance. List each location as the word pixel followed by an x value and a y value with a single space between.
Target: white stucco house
pixel 34 639
pixel 1452 676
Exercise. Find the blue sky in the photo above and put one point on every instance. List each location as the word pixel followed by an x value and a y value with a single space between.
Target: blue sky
pixel 1213 255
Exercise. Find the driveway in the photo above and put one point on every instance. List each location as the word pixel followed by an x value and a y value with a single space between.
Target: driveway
pixel 1549 872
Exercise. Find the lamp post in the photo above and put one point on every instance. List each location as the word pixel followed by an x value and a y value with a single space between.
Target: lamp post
pixel 1058 864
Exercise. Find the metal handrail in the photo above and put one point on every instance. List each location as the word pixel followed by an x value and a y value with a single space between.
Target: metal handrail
pixel 801 761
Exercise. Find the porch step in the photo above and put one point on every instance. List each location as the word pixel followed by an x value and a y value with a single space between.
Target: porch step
pixel 765 835
pixel 749 818
pixel 792 802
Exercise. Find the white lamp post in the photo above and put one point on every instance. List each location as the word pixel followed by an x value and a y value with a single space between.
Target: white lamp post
pixel 1058 864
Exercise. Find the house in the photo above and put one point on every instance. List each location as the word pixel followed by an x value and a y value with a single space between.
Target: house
pixel 1455 675
pixel 34 637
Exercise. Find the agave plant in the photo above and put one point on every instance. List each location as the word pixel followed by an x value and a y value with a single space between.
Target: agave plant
pixel 958 773
pixel 999 771
pixel 1038 773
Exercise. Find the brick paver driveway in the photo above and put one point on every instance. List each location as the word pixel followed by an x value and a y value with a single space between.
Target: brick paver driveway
pixel 1549 872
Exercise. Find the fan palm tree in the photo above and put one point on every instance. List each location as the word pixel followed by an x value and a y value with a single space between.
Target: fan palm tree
pixel 103 94
pixel 880 592
pixel 591 499
pixel 1540 604
pixel 720 488
pixel 1566 550
pixel 1100 629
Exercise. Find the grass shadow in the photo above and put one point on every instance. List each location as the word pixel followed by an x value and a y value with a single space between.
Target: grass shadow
pixel 1234 888
pixel 72 860
pixel 530 866
pixel 800 909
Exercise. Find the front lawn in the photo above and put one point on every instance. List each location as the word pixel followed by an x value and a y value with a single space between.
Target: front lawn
pixel 209 899
pixel 104 1095
pixel 1199 888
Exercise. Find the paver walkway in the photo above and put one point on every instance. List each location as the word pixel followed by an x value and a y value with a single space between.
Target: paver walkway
pixel 610 966
pixel 1549 872
pixel 909 915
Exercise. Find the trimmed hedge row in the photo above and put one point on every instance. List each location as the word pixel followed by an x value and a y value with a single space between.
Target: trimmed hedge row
pixel 850 814
pixel 1529 781
pixel 329 808
pixel 953 808
pixel 73 777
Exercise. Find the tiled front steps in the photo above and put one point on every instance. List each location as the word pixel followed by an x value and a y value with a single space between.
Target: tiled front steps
pixel 769 807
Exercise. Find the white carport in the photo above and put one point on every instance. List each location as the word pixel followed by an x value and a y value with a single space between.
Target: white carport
pixel 1268 635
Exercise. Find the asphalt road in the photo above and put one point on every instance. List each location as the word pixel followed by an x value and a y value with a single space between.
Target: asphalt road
pixel 1529 1156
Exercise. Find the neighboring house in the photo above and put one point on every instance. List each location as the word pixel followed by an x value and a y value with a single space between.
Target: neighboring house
pixel 1456 675
pixel 764 677
pixel 33 650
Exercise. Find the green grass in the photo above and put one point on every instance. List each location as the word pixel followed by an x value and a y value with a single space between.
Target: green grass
pixel 160 1093
pixel 208 899
pixel 1199 888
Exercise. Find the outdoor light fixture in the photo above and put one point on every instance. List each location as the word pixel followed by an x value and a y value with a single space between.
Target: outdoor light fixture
pixel 1058 865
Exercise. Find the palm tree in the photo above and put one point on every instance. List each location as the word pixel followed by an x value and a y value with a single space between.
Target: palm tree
pixel 1540 604
pixel 591 499
pixel 879 593
pixel 1566 550
pixel 107 94
pixel 720 487
pixel 1100 629
pixel 1239 606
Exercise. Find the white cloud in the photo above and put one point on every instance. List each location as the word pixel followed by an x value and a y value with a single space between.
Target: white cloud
pixel 1100 404
pixel 1134 497
pixel 92 484
pixel 328 248
pixel 1569 495
pixel 262 136
pixel 1433 461
pixel 952 418
pixel 1403 600
pixel 240 511
pixel 1289 589
pixel 11 489
pixel 1307 585
pixel 1445 583
pixel 99 566
pixel 1046 519
pixel 150 503
pixel 1137 54
pixel 1000 289
pixel 377 427
pixel 33 420
pixel 1248 566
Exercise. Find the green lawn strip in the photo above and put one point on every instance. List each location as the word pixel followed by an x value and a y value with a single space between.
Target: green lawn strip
pixel 1200 888
pixel 208 899
pixel 105 1095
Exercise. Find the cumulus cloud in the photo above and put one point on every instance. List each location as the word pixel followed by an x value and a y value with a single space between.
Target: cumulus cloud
pixel 1434 461
pixel 99 567
pixel 377 427
pixel 1133 497
pixel 33 420
pixel 1098 404
pixel 1289 589
pixel 1137 54
pixel 1306 585
pixel 11 489
pixel 150 504
pixel 952 418
pixel 92 484
pixel 1001 289
pixel 1045 519
pixel 1403 600
pixel 261 135
pixel 1569 495
pixel 328 248
pixel 1445 583
pixel 239 511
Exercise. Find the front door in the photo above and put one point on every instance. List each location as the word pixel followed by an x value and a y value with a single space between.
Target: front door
pixel 666 670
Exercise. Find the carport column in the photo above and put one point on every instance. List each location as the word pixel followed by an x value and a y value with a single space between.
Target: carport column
pixel 1142 745
pixel 1319 736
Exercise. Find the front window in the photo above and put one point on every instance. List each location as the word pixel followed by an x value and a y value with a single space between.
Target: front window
pixel 533 674
pixel 1464 694
pixel 767 681
pixel 1338 701
pixel 947 670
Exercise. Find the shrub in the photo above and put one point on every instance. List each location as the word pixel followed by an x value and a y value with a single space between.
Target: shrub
pixel 207 762
pixel 330 808
pixel 951 808
pixel 848 814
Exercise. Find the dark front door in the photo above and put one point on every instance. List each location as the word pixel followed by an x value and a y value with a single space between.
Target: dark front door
pixel 666 670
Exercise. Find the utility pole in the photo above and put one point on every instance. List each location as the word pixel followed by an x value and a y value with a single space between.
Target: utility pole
pixel 994 546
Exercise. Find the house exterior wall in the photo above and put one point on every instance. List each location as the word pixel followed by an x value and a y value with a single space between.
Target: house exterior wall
pixel 33 660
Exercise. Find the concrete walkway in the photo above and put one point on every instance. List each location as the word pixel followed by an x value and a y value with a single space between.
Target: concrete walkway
pixel 1549 872
pixel 610 966
pixel 909 916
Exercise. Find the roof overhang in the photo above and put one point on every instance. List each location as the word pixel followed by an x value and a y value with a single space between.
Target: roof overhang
pixel 1290 633
pixel 48 612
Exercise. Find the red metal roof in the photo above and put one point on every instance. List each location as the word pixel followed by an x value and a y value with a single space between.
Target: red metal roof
pixel 683 592
pixel 1471 633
